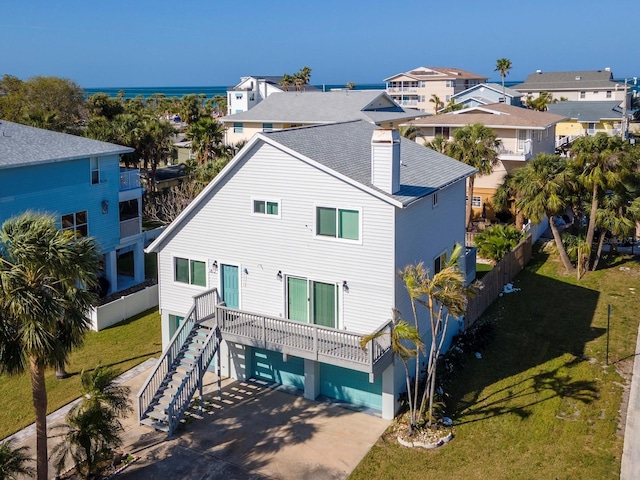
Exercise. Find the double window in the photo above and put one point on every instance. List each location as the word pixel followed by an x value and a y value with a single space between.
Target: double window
pixel 238 127
pixel 189 271
pixel 442 131
pixel 76 222
pixel 338 223
pixel 312 302
pixel 266 207
pixel 476 201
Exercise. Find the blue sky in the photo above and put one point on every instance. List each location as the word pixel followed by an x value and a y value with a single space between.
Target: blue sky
pixel 118 43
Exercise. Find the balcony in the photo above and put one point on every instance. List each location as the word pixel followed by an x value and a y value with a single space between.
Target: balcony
pixel 129 179
pixel 402 90
pixel 522 153
pixel 321 344
pixel 130 227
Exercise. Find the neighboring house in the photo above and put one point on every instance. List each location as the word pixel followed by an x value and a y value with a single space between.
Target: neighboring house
pixel 522 133
pixel 80 181
pixel 487 93
pixel 253 89
pixel 586 118
pixel 297 109
pixel 584 85
pixel 415 88
pixel 301 238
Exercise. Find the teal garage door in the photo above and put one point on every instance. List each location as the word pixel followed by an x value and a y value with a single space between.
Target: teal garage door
pixel 269 365
pixel 350 386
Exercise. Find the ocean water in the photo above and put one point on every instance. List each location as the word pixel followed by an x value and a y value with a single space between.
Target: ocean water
pixel 208 92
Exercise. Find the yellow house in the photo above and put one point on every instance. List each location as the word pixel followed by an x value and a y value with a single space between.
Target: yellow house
pixel 522 133
pixel 587 118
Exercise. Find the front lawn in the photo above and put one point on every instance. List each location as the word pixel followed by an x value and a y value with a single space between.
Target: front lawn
pixel 122 347
pixel 541 401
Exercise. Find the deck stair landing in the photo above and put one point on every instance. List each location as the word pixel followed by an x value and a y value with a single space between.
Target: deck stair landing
pixel 168 391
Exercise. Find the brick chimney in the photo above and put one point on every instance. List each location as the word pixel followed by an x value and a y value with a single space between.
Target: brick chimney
pixel 385 160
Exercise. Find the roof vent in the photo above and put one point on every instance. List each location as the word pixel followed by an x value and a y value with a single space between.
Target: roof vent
pixel 538 71
pixel 578 77
pixel 607 69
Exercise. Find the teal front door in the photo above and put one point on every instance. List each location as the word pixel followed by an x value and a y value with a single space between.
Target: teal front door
pixel 230 286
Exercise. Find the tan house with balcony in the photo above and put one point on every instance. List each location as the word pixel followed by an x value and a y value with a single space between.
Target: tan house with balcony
pixel 522 133
pixel 415 88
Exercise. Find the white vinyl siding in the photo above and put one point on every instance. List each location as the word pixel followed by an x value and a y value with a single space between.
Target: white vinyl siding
pixel 227 231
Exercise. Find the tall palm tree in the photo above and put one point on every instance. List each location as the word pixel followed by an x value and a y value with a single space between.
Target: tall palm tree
pixel 206 137
pixel 503 65
pixel 439 144
pixel 438 104
pixel 13 462
pixel 286 81
pixel 477 146
pixel 541 189
pixel 46 277
pixel 409 131
pixel 155 144
pixel 298 81
pixel 602 160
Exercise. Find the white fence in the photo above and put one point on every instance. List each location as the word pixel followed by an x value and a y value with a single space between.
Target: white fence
pixel 127 306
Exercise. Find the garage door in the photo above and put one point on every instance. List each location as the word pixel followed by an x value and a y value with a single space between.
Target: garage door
pixel 350 386
pixel 269 365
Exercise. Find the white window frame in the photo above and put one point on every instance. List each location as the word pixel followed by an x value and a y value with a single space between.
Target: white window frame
pixel 339 298
pixel 267 129
pixel 608 93
pixel 439 261
pixel 189 259
pixel 583 94
pixel 75 226
pixel 95 168
pixel 266 200
pixel 476 201
pixel 238 127
pixel 336 238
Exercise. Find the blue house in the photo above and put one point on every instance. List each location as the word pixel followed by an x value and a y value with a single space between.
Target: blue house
pixel 486 94
pixel 80 181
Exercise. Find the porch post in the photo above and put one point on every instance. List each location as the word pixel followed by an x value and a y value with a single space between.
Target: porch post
pixel 111 269
pixel 138 262
pixel 389 402
pixel 311 379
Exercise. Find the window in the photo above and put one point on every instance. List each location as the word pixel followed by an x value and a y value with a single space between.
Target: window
pixel 252 97
pixel 312 302
pixel 76 222
pixel 238 96
pixel 95 170
pixel 444 131
pixel 451 83
pixel 608 93
pixel 238 127
pixel 591 128
pixel 188 271
pixel 338 223
pixel 129 209
pixel 267 127
pixel 447 97
pixel 439 262
pixel 434 199
pixel 264 207
pixel 539 135
pixel 476 201
pixel 422 98
pixel 582 94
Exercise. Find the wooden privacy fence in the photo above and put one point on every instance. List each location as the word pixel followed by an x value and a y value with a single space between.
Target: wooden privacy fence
pixel 494 281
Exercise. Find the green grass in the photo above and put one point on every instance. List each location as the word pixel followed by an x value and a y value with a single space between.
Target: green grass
pixel 541 402
pixel 122 347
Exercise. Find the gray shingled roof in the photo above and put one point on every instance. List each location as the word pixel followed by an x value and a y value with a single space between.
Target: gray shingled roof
pixel 588 112
pixel 322 107
pixel 21 145
pixel 493 86
pixel 346 149
pixel 575 80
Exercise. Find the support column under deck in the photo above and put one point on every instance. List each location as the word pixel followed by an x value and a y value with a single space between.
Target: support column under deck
pixel 389 397
pixel 311 379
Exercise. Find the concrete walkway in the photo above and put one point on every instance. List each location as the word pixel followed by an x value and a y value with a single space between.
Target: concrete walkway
pixel 630 468
pixel 253 431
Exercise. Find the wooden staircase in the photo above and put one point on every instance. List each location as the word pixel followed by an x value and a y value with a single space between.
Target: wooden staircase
pixel 168 391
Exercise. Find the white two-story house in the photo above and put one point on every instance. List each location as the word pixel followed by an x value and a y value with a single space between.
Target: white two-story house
pixel 301 238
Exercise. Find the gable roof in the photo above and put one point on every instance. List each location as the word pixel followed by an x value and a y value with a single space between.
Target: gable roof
pixel 588 112
pixel 374 106
pixel 270 79
pixel 573 80
pixel 343 150
pixel 509 92
pixel 438 73
pixel 21 145
pixel 496 115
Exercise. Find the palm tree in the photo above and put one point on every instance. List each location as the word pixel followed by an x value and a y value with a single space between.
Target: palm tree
pixel 540 189
pixel 540 102
pixel 438 104
pixel 305 73
pixel 409 131
pixel 602 161
pixel 286 81
pixel 439 144
pixel 155 144
pixel 503 65
pixel 477 146
pixel 206 137
pixel 13 462
pixel 298 81
pixel 496 241
pixel 93 429
pixel 42 304
pixel 350 85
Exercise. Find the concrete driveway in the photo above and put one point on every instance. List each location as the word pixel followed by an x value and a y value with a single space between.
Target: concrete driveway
pixel 252 432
